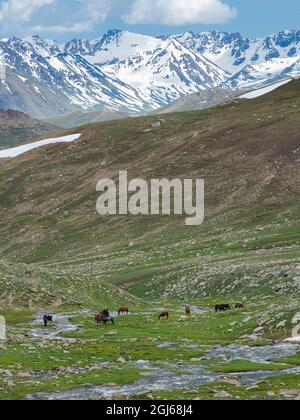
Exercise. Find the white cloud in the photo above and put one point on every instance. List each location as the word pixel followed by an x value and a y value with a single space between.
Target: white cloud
pixel 20 10
pixel 66 16
pixel 81 15
pixel 85 19
pixel 179 12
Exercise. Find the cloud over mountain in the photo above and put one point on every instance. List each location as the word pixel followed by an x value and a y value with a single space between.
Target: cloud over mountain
pixel 20 11
pixel 53 16
pixel 78 16
pixel 179 12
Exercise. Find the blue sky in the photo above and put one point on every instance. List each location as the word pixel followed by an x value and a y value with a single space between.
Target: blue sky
pixel 66 19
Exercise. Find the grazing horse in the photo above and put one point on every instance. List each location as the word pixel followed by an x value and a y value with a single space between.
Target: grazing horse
pixel 123 310
pixel 98 318
pixel 239 306
pixel 164 315
pixel 188 310
pixel 222 308
pixel 101 318
pixel 47 319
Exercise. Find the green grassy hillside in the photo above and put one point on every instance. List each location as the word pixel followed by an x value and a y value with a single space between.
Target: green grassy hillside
pixel 36 287
pixel 248 154
pixel 58 255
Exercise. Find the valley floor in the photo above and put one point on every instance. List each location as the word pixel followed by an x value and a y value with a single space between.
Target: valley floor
pixel 204 356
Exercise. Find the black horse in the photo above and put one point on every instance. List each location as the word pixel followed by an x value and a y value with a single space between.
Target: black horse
pixel 47 319
pixel 222 308
pixel 164 315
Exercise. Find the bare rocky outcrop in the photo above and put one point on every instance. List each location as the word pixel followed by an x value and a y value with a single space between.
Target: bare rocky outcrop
pixel 18 128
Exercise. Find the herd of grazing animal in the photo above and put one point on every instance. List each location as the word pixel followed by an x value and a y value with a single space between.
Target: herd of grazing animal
pixel 225 307
pixel 104 316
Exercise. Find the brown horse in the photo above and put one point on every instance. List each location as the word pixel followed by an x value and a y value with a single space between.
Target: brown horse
pixel 239 306
pixel 101 319
pixel 164 315
pixel 188 310
pixel 123 310
pixel 98 318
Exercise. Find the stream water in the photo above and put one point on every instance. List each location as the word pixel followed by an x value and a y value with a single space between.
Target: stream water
pixel 158 379
pixel 168 376
pixel 62 324
pixel 259 354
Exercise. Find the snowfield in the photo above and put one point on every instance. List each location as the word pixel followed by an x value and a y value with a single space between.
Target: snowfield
pixel 260 92
pixel 17 151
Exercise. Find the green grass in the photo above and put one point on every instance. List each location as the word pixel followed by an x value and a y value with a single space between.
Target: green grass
pixel 133 338
pixel 22 388
pixel 245 366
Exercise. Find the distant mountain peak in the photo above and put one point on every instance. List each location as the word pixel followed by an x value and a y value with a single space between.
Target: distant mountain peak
pixel 135 73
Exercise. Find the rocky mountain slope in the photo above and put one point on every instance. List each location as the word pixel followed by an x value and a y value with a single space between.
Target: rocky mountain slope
pixel 18 128
pixel 78 118
pixel 163 73
pixel 36 286
pixel 127 72
pixel 57 256
pixel 59 82
pixel 202 100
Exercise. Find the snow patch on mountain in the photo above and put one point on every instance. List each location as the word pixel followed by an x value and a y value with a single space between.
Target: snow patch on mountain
pixel 294 69
pixel 20 150
pixel 263 91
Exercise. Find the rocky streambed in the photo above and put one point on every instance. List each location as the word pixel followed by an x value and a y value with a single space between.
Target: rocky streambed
pixel 171 376
pixel 160 379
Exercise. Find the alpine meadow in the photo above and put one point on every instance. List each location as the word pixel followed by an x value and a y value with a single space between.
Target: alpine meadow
pixel 149 210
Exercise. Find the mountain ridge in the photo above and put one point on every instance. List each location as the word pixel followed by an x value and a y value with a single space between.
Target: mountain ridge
pixel 126 72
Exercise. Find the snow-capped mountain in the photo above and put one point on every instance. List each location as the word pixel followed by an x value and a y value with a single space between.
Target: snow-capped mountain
pixel 127 72
pixel 123 54
pixel 259 74
pixel 70 78
pixel 162 69
pixel 43 47
pixel 89 75
pixel 113 46
pixel 166 73
pixel 232 52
